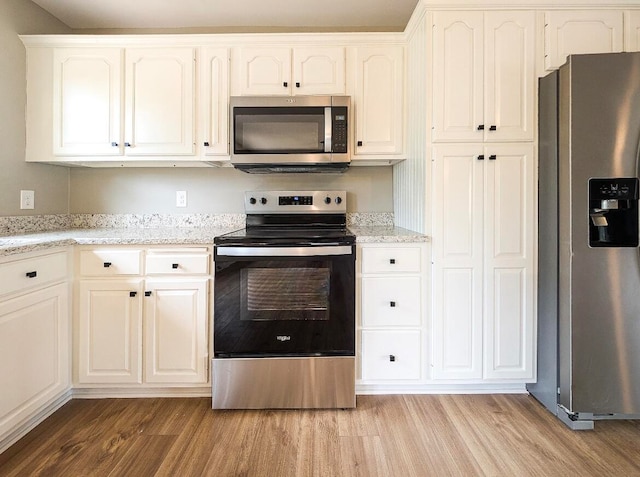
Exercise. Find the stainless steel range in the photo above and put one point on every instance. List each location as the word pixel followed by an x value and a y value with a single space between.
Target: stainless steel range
pixel 284 305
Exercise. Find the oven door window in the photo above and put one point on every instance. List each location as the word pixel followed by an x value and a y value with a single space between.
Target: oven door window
pixel 279 130
pixel 285 293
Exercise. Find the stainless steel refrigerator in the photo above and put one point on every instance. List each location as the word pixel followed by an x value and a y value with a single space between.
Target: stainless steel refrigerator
pixel 589 260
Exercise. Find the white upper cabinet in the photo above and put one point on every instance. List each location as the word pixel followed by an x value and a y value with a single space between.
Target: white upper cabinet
pixel 632 31
pixel 581 31
pixel 95 89
pixel 213 101
pixel 87 98
pixel 483 76
pixel 378 100
pixel 159 99
pixel 291 71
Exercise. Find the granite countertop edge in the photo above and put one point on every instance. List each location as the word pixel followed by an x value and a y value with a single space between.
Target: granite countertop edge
pixel 31 242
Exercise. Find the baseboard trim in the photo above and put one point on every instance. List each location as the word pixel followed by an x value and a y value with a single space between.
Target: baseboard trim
pixel 34 420
pixel 484 388
pixel 138 392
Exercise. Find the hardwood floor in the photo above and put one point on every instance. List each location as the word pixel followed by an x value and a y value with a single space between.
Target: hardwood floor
pixel 404 436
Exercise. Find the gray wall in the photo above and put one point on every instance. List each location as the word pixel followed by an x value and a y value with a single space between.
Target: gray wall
pixel 51 183
pixel 214 190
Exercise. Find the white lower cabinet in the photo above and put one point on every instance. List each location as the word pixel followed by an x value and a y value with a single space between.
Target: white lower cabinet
pixel 145 329
pixel 35 359
pixel 392 286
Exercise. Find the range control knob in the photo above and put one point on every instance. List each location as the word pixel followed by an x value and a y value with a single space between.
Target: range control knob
pixel 327 200
pixel 338 200
pixel 252 200
pixel 263 200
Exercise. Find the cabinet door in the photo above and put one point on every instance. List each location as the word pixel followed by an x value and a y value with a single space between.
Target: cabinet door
pixel 318 70
pixel 509 76
pixel 391 355
pixel 214 102
pixel 457 253
pixel 87 84
pixel 109 331
pixel 159 116
pixel 509 274
pixel 34 354
pixel 632 31
pixel 176 331
pixel 265 71
pixel 457 76
pixel 584 31
pixel 379 100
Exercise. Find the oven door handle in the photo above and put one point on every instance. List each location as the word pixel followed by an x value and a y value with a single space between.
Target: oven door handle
pixel 284 251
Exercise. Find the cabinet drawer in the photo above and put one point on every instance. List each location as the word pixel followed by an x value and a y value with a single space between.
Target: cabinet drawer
pixel 109 262
pixel 391 301
pixel 31 272
pixel 177 264
pixel 391 259
pixel 390 355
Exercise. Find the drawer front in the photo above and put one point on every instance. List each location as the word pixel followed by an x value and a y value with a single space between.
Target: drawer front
pixel 33 272
pixel 390 355
pixel 109 262
pixel 391 301
pixel 391 259
pixel 177 264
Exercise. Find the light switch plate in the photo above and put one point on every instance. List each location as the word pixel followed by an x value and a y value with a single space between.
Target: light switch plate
pixel 27 199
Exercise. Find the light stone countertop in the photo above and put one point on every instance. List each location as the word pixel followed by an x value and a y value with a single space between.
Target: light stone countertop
pixel 14 244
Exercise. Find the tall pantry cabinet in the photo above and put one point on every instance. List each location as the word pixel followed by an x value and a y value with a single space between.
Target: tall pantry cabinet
pixel 483 195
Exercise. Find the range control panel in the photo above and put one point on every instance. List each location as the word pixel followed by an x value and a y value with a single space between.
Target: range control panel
pixel 288 202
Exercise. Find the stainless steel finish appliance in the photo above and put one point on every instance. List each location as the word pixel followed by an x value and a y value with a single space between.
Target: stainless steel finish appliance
pixel 589 267
pixel 284 305
pixel 290 133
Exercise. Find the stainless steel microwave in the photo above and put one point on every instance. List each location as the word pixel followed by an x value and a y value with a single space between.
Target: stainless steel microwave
pixel 290 133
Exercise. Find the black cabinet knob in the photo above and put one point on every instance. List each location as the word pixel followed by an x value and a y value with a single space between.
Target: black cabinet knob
pixel 297 85
pixel 147 293
pixel 285 84
pixel 206 144
pixel 392 358
pixel 392 261
pixel 492 157
pixel 481 127
pixel 132 294
pixel 492 128
pixel 106 264
pixel 481 157
pixel 359 143
pixel 392 304
pixel 174 266
pixel 32 274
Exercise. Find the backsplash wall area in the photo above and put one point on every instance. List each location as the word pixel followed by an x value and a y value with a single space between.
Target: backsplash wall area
pixel 215 190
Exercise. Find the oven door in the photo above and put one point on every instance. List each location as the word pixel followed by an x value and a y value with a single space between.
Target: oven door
pixel 284 301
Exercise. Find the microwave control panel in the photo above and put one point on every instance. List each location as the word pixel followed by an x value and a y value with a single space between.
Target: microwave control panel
pixel 339 129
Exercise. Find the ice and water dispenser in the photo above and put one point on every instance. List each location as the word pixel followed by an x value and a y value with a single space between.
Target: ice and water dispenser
pixel 613 212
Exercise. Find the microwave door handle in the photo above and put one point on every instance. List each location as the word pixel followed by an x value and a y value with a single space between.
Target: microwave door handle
pixel 328 129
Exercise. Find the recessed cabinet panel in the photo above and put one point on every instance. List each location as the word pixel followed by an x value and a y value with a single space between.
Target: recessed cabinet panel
pixel 213 101
pixel 584 31
pixel 318 70
pixel 110 330
pixel 391 301
pixel 87 84
pixel 32 272
pixel 391 259
pixel 110 262
pixel 391 355
pixel 265 71
pixel 177 264
pixel 159 101
pixel 175 331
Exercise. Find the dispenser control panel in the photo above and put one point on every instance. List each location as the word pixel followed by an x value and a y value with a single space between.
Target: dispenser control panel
pixel 620 189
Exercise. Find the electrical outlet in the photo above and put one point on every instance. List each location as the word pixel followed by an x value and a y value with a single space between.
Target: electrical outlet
pixel 27 199
pixel 181 198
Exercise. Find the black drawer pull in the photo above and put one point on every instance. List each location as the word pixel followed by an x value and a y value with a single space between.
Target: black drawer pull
pixel 206 144
pixel 392 261
pixel 492 157
pixel 32 274
pixel 133 294
pixel 359 143
pixel 174 266
pixel 285 84
pixel 297 85
pixel 392 358
pixel 492 128
pixel 147 293
pixel 392 304
pixel 106 264
pixel 481 157
pixel 481 127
